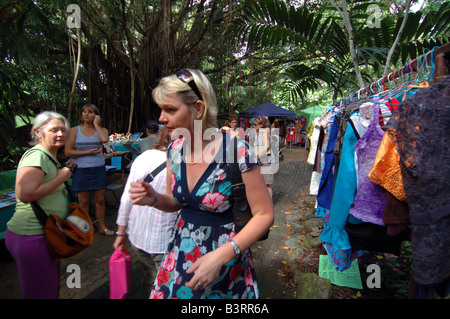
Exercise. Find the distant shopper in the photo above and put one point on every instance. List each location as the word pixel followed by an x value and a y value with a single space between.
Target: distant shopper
pixel 232 127
pixel 85 144
pixel 151 130
pixel 262 149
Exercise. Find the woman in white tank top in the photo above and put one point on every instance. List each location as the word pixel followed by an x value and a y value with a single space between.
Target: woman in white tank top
pixel 85 145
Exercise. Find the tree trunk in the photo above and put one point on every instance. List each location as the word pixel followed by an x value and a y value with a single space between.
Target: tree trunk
pixel 348 26
pixel 130 52
pixel 400 32
pixel 75 75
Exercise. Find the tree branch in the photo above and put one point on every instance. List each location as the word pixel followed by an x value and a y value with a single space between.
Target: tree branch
pixel 75 74
pixel 399 34
pixel 348 26
pixel 277 62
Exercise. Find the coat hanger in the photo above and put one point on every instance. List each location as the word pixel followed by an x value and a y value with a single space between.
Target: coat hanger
pixel 425 71
pixel 359 94
pixel 399 86
pixel 392 88
pixel 410 70
pixel 371 87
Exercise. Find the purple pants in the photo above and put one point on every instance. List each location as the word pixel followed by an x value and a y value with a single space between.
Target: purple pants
pixel 38 272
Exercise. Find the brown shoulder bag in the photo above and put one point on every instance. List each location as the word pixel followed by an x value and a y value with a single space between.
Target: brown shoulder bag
pixel 66 238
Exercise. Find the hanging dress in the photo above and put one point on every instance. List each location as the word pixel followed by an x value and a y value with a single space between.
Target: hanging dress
pixel 370 198
pixel 325 191
pixel 205 223
pixel 334 237
pixel 386 172
pixel 422 127
pixel 314 141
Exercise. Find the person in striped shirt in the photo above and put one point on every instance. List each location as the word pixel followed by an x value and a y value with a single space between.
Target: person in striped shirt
pixel 147 229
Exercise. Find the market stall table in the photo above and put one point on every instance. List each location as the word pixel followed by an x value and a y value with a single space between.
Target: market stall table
pixel 7 199
pixel 118 159
pixel 120 147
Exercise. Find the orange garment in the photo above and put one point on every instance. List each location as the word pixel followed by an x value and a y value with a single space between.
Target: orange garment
pixel 386 170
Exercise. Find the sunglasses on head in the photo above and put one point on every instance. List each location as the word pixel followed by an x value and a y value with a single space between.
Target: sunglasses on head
pixel 187 77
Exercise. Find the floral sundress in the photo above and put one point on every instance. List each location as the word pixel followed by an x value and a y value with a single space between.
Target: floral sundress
pixel 190 240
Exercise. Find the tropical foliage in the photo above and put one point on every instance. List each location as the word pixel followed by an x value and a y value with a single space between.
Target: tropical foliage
pixel 318 32
pixel 292 52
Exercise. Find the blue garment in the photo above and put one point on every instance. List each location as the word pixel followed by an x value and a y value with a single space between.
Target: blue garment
pixel 344 194
pixel 86 143
pixel 89 178
pixel 325 192
pixel 334 237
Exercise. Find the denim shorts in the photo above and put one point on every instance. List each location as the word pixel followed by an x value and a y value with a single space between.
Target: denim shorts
pixel 89 178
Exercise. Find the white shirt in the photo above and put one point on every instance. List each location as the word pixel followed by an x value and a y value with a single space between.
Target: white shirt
pixel 149 229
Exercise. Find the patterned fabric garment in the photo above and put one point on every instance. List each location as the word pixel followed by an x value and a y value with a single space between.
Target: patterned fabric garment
pixel 370 199
pixel 386 170
pixel 205 224
pixel 422 127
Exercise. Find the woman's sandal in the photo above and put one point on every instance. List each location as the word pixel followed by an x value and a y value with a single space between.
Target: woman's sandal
pixel 107 232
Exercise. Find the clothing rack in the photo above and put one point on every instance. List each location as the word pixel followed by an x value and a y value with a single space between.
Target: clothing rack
pixel 441 59
pixel 344 189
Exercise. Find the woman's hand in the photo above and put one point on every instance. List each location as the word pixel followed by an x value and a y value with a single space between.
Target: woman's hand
pixel 95 151
pixel 97 120
pixel 142 193
pixel 64 174
pixel 206 269
pixel 122 239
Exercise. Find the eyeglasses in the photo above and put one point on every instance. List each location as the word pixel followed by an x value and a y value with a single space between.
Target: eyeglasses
pixel 187 77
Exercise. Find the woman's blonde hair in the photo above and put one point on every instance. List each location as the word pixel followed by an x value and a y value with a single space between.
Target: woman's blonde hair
pixel 172 84
pixel 257 120
pixel 264 122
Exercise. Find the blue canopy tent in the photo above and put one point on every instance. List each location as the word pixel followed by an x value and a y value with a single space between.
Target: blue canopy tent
pixel 267 109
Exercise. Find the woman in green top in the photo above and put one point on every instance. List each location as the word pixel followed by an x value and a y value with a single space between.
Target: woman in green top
pixel 38 179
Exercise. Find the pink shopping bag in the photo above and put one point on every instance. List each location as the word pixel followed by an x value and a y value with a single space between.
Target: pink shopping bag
pixel 119 274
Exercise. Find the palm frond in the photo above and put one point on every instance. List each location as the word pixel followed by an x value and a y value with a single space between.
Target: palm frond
pixel 272 23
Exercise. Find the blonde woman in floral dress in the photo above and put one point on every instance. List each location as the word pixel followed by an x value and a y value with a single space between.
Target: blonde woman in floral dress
pixel 205 258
